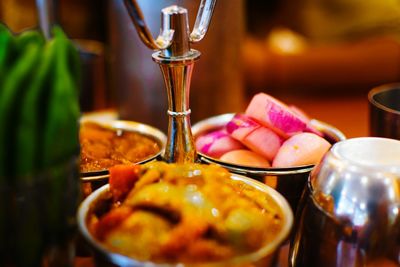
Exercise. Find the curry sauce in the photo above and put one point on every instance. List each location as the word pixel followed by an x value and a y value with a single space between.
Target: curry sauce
pixel 103 147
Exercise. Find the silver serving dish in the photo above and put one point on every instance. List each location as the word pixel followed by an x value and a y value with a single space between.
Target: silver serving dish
pixel 350 210
pixel 95 179
pixel 290 182
pixel 265 256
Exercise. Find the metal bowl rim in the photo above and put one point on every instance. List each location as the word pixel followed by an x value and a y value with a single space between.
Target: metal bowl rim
pixel 381 89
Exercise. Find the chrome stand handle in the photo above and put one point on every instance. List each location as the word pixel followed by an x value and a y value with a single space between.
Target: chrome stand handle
pixel 203 20
pixel 176 61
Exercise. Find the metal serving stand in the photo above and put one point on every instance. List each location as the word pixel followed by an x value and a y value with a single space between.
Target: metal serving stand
pixel 176 60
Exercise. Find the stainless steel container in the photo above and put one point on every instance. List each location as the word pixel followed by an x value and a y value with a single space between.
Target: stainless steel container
pixel 290 182
pixel 264 257
pixel 349 214
pixel 95 179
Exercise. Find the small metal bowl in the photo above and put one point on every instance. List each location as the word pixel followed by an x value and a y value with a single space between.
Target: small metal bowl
pixel 290 182
pixel 265 256
pixel 94 179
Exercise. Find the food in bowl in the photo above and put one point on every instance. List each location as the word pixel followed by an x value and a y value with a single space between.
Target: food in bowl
pixel 191 213
pixel 245 157
pixel 103 146
pixel 282 135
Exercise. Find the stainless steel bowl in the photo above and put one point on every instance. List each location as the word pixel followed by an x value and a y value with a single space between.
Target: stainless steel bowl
pixel 265 256
pixel 95 179
pixel 350 211
pixel 290 182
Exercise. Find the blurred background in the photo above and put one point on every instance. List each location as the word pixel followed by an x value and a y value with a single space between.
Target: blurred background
pixel 322 56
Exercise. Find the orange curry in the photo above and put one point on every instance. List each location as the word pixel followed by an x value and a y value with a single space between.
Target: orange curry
pixel 103 147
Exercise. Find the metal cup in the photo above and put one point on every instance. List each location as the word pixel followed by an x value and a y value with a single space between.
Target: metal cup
pixel 349 213
pixel 384 107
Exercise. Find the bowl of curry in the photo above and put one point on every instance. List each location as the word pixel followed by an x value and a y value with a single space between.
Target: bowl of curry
pixel 108 143
pixel 160 214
